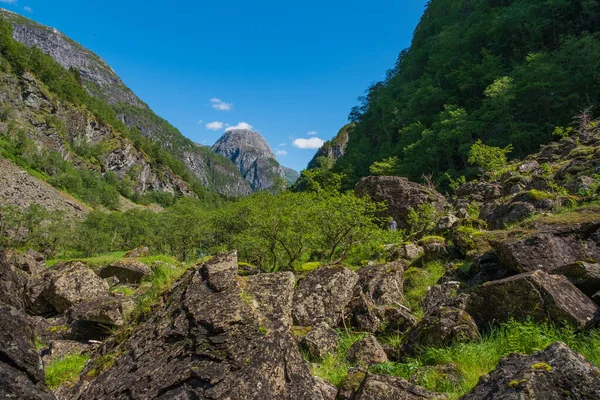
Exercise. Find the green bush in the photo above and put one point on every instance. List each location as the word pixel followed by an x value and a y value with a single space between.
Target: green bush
pixel 488 158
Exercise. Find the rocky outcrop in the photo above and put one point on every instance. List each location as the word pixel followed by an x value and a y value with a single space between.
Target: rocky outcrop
pixel 376 300
pixel 555 373
pixel 96 74
pixel 441 327
pixel 215 172
pixel 213 342
pixel 30 261
pixel 96 318
pixel 62 287
pixel 251 153
pixel 550 249
pixel 400 195
pixel 535 294
pixel 141 251
pixel 21 373
pixel 366 352
pixel 320 341
pixel 331 150
pixel 125 270
pixel 322 296
pixel 379 387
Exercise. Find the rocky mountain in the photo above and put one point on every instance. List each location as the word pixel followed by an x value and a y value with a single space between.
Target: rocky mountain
pixel 332 150
pixel 214 172
pixel 291 175
pixel 253 156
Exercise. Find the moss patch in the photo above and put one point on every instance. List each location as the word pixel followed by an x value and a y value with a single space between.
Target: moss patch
pixel 65 370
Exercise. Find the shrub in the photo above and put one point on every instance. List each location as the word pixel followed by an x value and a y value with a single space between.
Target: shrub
pixel 487 157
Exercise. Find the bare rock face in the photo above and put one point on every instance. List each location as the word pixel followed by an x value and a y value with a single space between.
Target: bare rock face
pixel 12 284
pixel 400 194
pixel 320 341
pixel 95 319
pixel 141 251
pixel 548 250
pixel 328 391
pixel 553 374
pixel 585 276
pixel 127 270
pixel 366 352
pixel 376 299
pixel 442 327
pixel 94 71
pixel 378 387
pixel 382 284
pixel 210 342
pixel 322 296
pixel 252 155
pixel 31 261
pixel 332 150
pixel 21 373
pixel 62 287
pixel 534 294
pixel 20 189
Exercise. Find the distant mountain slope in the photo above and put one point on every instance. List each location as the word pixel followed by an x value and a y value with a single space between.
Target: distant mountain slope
pixel 215 172
pixel 291 175
pixel 97 76
pixel 19 189
pixel 253 157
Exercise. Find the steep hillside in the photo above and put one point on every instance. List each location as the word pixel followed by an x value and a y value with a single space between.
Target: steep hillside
pixel 253 156
pixel 332 150
pixel 100 81
pixel 505 72
pixel 20 189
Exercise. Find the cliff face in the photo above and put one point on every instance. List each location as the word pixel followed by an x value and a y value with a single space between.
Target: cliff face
pixel 97 76
pixel 73 133
pixel 217 173
pixel 332 150
pixel 251 153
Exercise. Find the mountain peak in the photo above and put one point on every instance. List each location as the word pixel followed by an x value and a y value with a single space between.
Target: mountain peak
pixel 253 156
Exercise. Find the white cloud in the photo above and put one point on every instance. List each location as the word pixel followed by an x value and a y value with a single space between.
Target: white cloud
pixel 241 125
pixel 200 121
pixel 281 153
pixel 217 104
pixel 282 144
pixel 312 143
pixel 28 9
pixel 312 133
pixel 8 1
pixel 214 126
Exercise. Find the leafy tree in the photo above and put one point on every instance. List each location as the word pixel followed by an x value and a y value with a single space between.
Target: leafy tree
pixel 487 157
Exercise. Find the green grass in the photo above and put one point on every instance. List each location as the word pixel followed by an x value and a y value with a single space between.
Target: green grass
pixel 162 278
pixel 417 281
pixel 65 370
pixel 334 367
pixel 124 290
pixel 92 262
pixel 307 267
pixel 475 359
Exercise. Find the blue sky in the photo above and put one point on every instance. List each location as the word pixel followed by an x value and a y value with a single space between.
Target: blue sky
pixel 285 68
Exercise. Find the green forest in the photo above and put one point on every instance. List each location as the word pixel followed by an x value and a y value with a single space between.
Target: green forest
pixel 506 72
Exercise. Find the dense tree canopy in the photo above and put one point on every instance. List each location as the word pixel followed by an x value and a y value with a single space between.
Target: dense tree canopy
pixel 506 72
